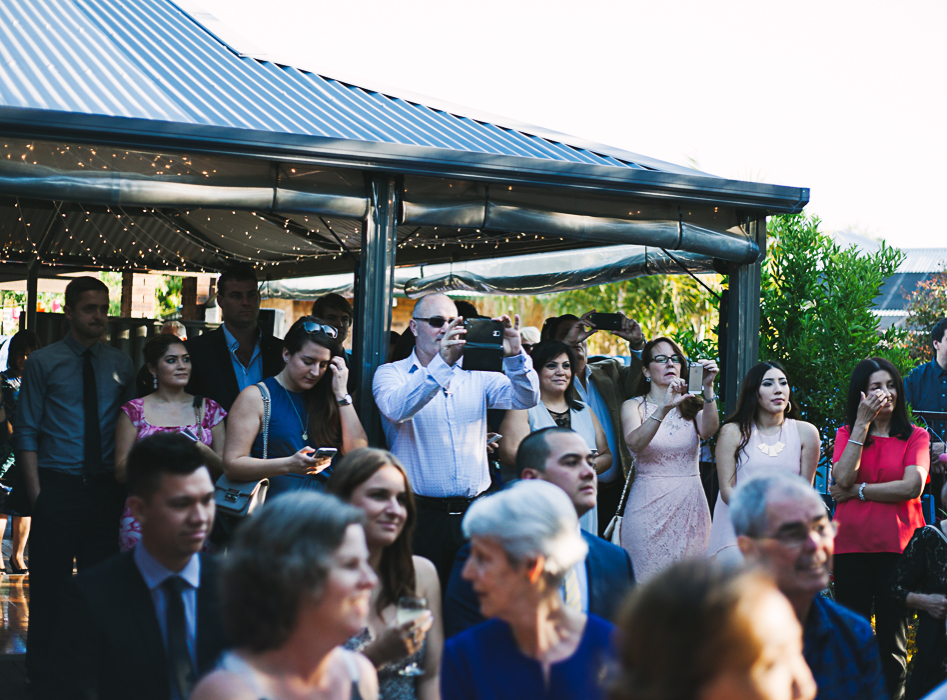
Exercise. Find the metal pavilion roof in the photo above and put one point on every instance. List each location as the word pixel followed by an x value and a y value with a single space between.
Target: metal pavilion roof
pixel 134 137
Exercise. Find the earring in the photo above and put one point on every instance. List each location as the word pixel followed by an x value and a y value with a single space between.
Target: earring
pixel 647 379
pixel 788 406
pixel 156 380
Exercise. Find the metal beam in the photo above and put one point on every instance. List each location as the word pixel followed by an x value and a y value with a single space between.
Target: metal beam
pixel 743 320
pixel 373 302
pixel 32 295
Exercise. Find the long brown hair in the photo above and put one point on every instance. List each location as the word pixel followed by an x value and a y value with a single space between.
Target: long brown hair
pixel 689 408
pixel 325 423
pixel 749 403
pixel 396 571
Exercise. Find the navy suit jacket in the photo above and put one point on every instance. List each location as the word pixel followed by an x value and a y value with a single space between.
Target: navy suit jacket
pixel 109 645
pixel 609 572
pixel 212 373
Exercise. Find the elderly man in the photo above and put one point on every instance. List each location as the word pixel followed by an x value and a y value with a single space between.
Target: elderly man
pixel 782 524
pixel 561 457
pixel 435 417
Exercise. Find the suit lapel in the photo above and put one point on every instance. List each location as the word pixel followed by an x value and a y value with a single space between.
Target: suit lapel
pixel 592 576
pixel 142 609
pixel 210 640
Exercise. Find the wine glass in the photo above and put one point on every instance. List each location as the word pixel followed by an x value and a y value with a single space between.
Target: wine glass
pixel 409 610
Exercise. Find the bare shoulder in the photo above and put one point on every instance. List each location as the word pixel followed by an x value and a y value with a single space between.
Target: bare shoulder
pixel 367 675
pixel 426 576
pixel 808 432
pixel 634 401
pixel 729 431
pixel 223 685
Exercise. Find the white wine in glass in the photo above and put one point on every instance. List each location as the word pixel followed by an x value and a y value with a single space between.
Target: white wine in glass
pixel 409 610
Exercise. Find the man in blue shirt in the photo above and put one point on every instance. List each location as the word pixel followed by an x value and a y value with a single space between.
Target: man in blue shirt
pixel 146 624
pixel 926 390
pixel 64 436
pixel 239 353
pixel 782 524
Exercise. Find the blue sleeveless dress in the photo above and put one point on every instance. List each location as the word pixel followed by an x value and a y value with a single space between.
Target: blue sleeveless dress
pixel 288 418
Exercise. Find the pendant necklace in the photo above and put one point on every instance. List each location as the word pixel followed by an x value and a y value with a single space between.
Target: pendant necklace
pixel 771 450
pixel 292 403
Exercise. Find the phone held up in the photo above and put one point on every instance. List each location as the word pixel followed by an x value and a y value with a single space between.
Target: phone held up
pixel 606 322
pixel 483 349
pixel 695 378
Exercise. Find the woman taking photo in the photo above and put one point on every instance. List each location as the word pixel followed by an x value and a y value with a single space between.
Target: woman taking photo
pixel 763 433
pixel 558 406
pixel 881 465
pixel 16 504
pixel 525 545
pixel 166 408
pixel 702 631
pixel 294 586
pixel 309 409
pixel 667 514
pixel 374 481
pixel 920 583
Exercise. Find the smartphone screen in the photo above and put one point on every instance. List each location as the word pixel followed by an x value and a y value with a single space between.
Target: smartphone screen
pixel 606 322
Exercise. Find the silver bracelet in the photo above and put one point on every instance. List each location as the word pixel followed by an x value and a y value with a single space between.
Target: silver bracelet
pixel 653 418
pixel 855 442
pixel 861 492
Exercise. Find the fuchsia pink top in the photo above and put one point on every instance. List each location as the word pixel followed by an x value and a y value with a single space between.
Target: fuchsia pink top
pixel 869 526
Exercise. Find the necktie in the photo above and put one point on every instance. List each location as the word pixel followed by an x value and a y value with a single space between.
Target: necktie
pixel 180 667
pixel 570 590
pixel 92 440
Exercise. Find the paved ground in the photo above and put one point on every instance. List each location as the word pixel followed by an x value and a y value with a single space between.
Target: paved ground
pixel 14 617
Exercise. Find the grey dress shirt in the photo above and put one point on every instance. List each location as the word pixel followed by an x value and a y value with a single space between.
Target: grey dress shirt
pixel 49 417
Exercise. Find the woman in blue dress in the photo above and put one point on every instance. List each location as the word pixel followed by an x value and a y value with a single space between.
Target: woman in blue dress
pixel 309 409
pixel 525 562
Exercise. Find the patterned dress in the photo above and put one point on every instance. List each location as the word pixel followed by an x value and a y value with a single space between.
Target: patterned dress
pixel 129 530
pixel 666 516
pixel 391 684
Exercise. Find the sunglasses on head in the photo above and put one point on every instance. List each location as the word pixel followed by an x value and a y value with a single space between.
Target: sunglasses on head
pixel 435 321
pixel 313 327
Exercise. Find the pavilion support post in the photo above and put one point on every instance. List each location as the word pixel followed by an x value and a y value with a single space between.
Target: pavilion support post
pixel 32 294
pixel 743 320
pixel 373 304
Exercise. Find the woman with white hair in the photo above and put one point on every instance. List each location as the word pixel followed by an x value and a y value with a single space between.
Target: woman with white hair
pixel 526 567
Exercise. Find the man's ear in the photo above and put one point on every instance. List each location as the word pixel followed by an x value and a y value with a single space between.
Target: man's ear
pixel 137 505
pixel 529 473
pixel 748 547
pixel 413 327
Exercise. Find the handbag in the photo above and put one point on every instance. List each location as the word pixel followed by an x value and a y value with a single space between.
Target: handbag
pixel 239 499
pixel 613 531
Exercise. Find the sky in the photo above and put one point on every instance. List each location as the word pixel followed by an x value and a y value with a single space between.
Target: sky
pixel 846 98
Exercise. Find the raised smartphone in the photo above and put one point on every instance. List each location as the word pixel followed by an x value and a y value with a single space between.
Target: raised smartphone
pixel 483 349
pixel 695 378
pixel 606 322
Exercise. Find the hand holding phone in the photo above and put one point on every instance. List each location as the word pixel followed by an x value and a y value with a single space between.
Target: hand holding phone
pixel 695 378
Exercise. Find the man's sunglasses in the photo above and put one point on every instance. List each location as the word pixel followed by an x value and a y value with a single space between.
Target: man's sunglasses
pixel 313 327
pixel 435 321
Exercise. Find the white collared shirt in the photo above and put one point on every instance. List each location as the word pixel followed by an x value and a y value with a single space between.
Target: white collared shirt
pixel 435 418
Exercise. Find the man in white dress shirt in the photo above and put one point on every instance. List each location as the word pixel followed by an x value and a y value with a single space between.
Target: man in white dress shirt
pixel 435 419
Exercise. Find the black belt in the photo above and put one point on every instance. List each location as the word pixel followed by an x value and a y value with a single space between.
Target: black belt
pixel 453 505
pixel 74 478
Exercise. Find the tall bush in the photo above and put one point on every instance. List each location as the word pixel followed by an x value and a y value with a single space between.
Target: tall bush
pixel 816 315
pixel 927 304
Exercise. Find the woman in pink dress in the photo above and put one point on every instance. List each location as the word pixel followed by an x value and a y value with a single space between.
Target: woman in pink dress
pixel 763 433
pixel 166 409
pixel 666 515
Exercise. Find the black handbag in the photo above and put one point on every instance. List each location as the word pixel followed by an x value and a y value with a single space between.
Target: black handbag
pixel 238 499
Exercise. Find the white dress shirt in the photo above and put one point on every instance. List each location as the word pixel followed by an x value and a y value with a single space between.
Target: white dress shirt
pixel 435 418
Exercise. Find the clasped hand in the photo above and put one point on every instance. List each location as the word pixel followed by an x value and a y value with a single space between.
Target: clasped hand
pixel 400 641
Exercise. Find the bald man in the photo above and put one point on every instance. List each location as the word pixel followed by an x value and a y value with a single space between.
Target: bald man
pixel 435 417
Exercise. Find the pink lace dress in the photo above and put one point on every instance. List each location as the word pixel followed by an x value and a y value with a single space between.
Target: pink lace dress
pixel 752 462
pixel 666 516
pixel 129 531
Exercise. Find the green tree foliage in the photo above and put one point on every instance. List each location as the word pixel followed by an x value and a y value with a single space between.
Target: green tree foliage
pixel 926 306
pixel 168 296
pixel 816 315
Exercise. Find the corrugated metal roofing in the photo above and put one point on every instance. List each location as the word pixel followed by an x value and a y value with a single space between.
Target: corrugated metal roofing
pixel 148 59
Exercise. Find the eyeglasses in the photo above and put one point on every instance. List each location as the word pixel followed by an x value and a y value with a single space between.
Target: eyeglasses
pixel 435 321
pixel 797 534
pixel 663 359
pixel 313 327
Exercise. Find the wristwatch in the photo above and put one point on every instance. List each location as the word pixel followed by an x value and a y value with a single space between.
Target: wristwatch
pixel 861 492
pixel 345 400
pixel 710 400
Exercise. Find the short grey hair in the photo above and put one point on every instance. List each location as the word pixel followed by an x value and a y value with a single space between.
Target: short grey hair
pixel 750 500
pixel 530 518
pixel 280 554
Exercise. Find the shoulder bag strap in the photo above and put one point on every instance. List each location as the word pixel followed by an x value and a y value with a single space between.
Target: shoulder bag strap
pixel 265 393
pixel 626 489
